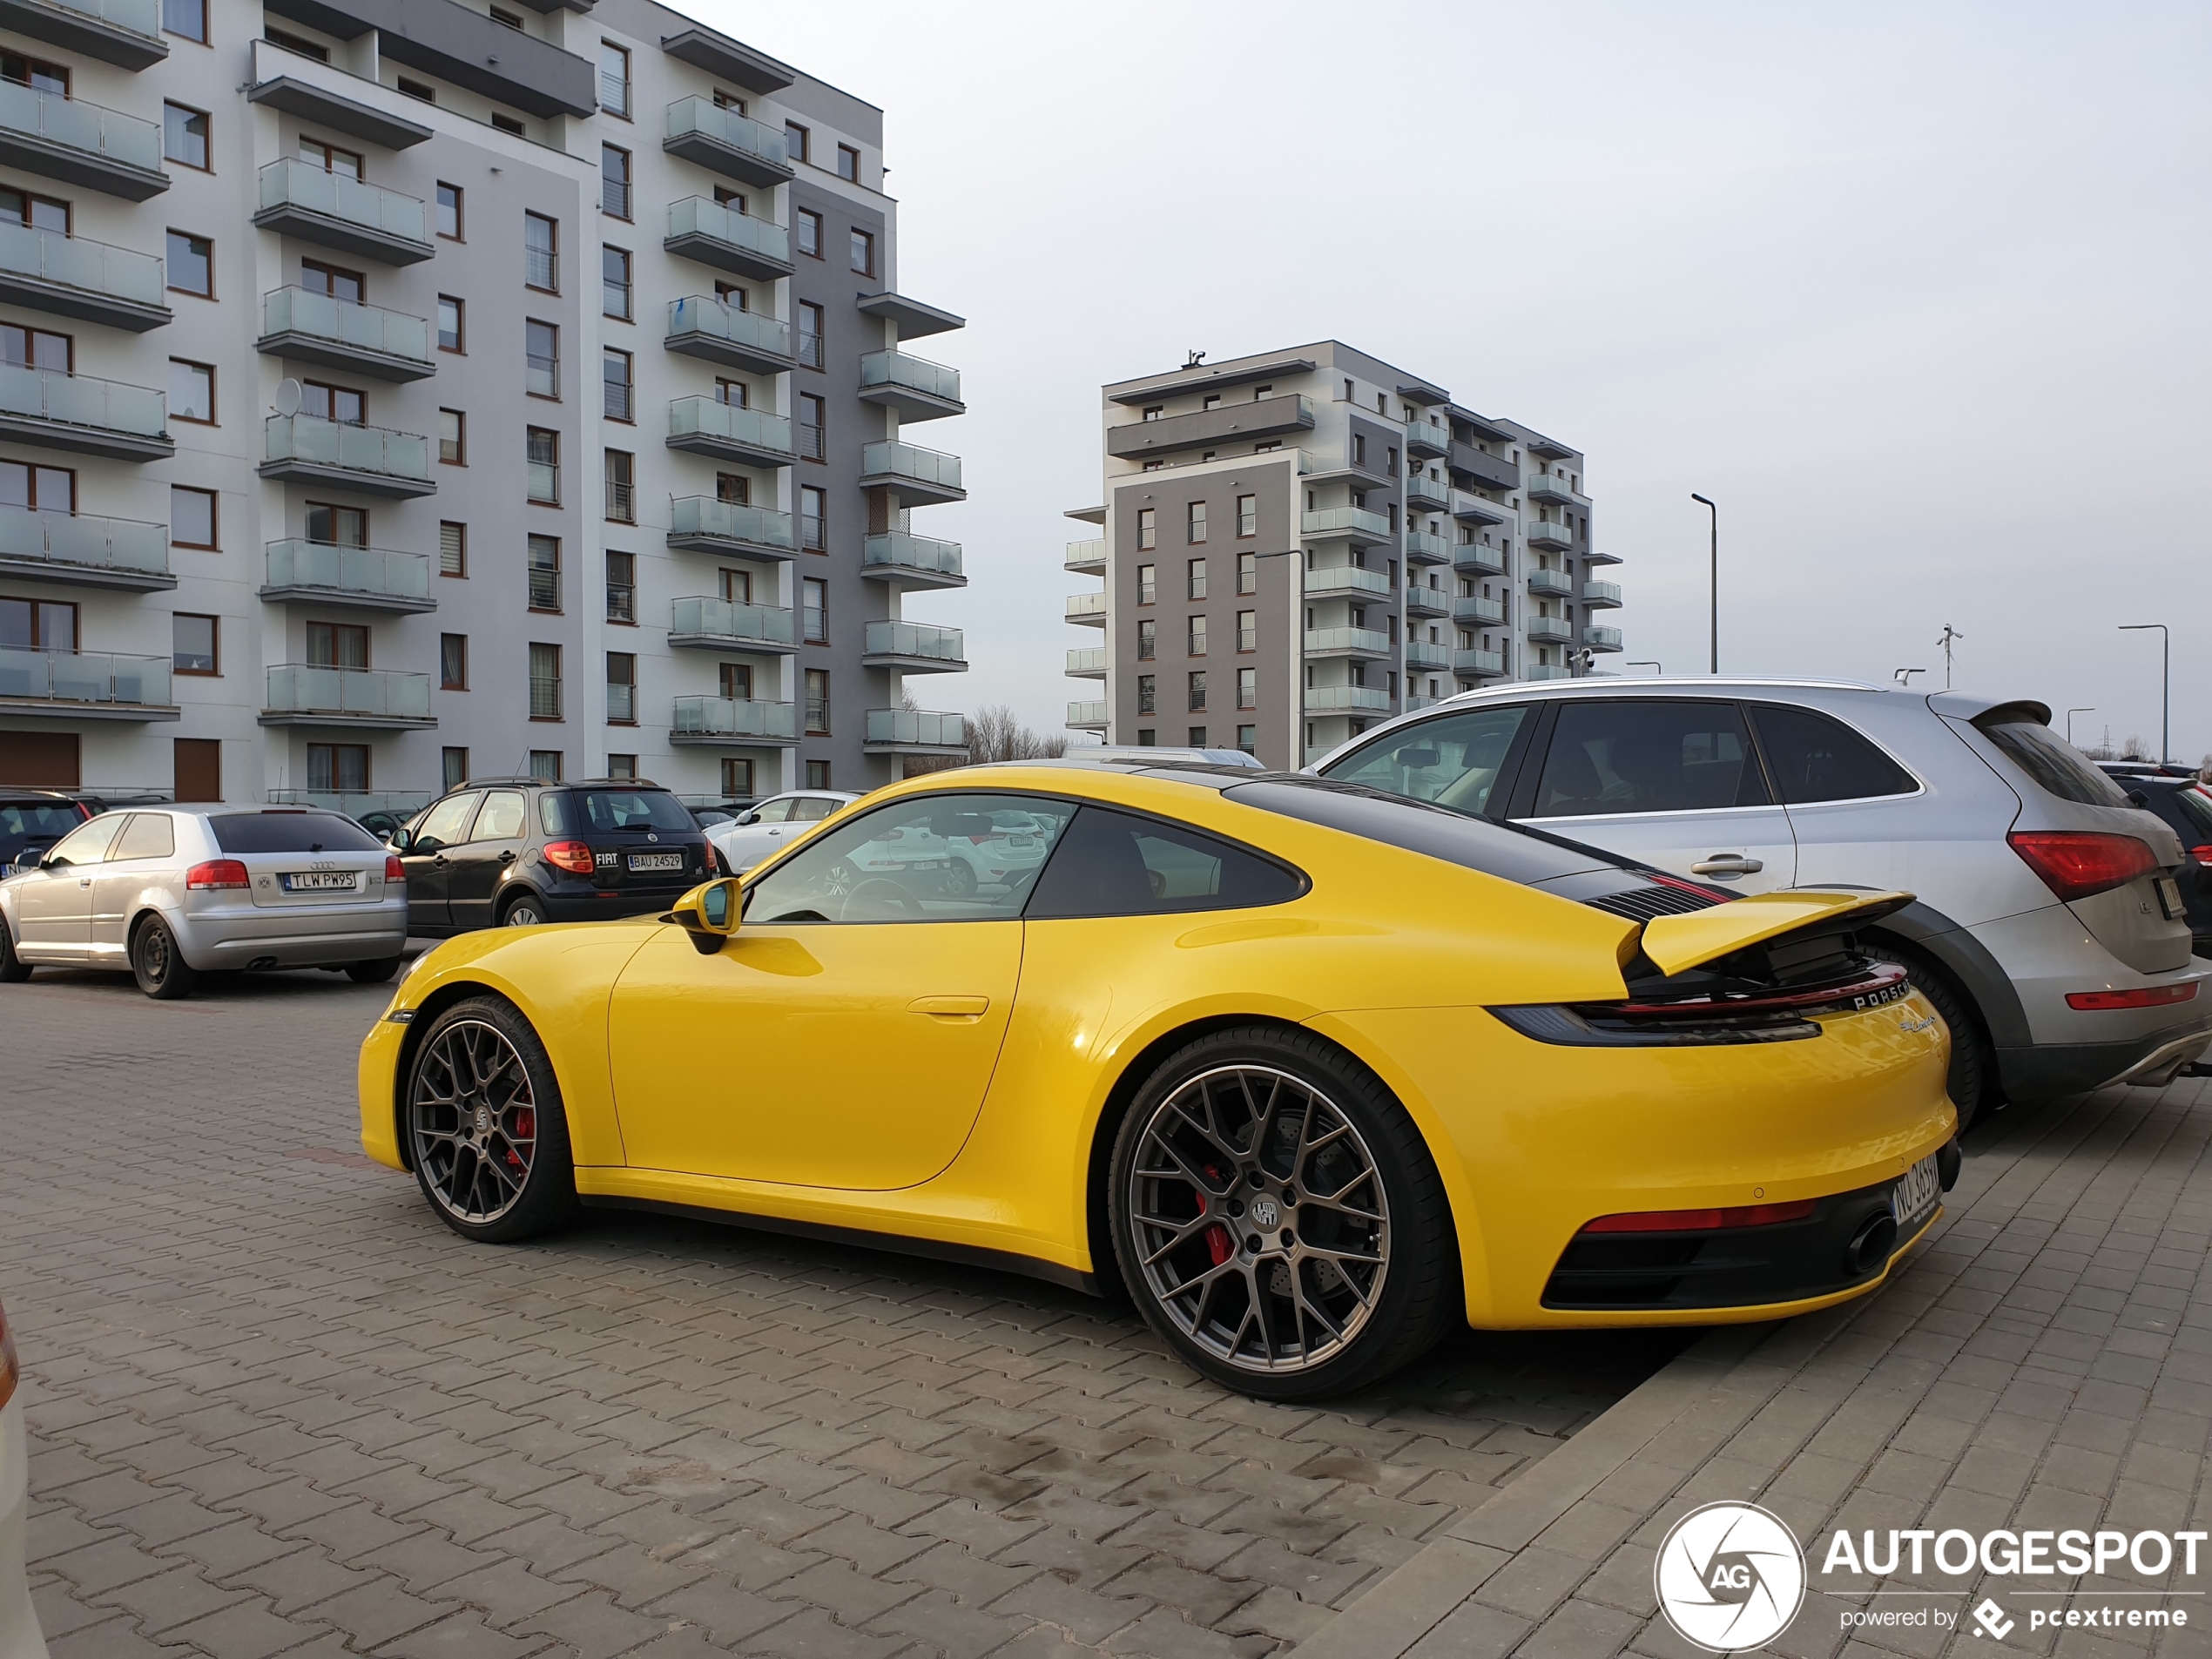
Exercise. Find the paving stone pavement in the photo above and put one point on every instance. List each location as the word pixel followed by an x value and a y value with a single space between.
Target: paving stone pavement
pixel 276 1407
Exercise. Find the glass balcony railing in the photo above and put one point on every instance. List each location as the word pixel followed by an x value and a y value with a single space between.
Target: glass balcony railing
pixel 1087 662
pixel 368 572
pixel 70 122
pixel 1482 612
pixel 698 317
pixel 368 328
pixel 915 639
pixel 1597 637
pixel 1601 593
pixel 1368 641
pixel 915 373
pixel 1346 700
pixel 290 182
pixel 728 520
pixel 354 802
pixel 1090 711
pixel 1552 584
pixel 139 17
pixel 696 216
pixel 1465 504
pixel 314 441
pixel 1087 607
pixel 95 543
pixel 1551 486
pixel 1423 492
pixel 1337 521
pixel 731 717
pixel 1425 544
pixel 896 460
pixel 711 420
pixel 1421 654
pixel 1478 556
pixel 1430 601
pixel 1344 578
pixel 80 263
pixel 80 401
pixel 727 619
pixel 1549 630
pixel 83 676
pixel 1478 662
pixel 1085 555
pixel 917 726
pixel 362 693
pixel 702 117
pixel 1550 535
pixel 900 551
pixel 1547 671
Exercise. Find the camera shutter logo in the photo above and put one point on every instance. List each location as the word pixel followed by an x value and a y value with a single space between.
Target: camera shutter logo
pixel 1729 1577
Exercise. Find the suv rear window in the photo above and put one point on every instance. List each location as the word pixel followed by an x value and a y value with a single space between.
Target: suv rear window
pixel 597 812
pixel 2054 763
pixel 290 833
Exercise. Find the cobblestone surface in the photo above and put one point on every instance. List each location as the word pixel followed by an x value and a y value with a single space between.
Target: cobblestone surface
pixel 276 1407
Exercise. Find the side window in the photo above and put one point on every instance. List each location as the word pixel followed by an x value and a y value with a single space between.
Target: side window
pixel 929 858
pixel 1118 864
pixel 776 811
pixel 1452 760
pixel 1814 757
pixel 1647 756
pixel 502 818
pixel 446 823
pixel 811 809
pixel 553 813
pixel 88 844
pixel 148 835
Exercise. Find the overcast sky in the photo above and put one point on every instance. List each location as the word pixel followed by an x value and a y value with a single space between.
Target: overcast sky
pixel 1917 293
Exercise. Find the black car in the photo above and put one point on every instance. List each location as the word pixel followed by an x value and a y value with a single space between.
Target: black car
pixel 2188 810
pixel 33 820
pixel 500 851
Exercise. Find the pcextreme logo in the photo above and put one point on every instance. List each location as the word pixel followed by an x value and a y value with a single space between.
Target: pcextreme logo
pixel 1729 1577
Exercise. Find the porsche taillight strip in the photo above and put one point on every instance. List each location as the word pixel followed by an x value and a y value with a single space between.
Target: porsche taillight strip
pixel 1887 983
pixel 1781 1015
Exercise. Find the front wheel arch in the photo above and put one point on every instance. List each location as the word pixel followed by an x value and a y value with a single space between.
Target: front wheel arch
pixel 425 1015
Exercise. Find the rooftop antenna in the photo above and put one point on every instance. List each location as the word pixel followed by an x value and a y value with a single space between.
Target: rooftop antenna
pixel 1949 634
pixel 1194 360
pixel 1903 676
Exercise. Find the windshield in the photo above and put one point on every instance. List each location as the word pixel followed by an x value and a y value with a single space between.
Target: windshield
pixel 1453 759
pixel 290 833
pixel 22 822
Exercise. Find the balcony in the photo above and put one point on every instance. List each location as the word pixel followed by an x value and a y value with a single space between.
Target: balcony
pixel 1426 601
pixel 79 143
pixel 74 276
pixel 912 561
pixel 1481 469
pixel 916 476
pixel 1477 559
pixel 1427 495
pixel 1089 714
pixel 1425 547
pixel 1087 610
pixel 374 698
pixel 916 647
pixel 1346 700
pixel 706 426
pixel 367 339
pixel 720 332
pixel 1547 671
pixel 1548 631
pixel 1591 555
pixel 728 721
pixel 703 524
pixel 309 449
pixel 300 199
pixel 1346 642
pixel 1475 663
pixel 918 388
pixel 1552 584
pixel 1547 535
pixel 1086 663
pixel 90 418
pixel 1426 442
pixel 724 625
pixel 368 579
pixel 1600 637
pixel 83 551
pixel 728 240
pixel 1266 417
pixel 327 97
pixel 1601 593
pixel 1475 611
pixel 125 32
pixel 1476 510
pixel 84 685
pixel 1086 558
pixel 725 142
pixel 915 732
pixel 1335 580
pixel 1354 524
pixel 1549 485
pixel 1424 655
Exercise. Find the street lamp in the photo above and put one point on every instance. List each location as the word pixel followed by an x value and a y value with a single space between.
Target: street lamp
pixel 2070 713
pixel 1653 664
pixel 1715 513
pixel 2165 685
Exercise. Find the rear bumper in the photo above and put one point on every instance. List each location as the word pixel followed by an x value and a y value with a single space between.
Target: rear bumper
pixel 2051 1071
pixel 591 904
pixel 216 937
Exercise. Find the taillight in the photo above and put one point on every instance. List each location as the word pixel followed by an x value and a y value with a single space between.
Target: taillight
pixel 1698 1221
pixel 216 875
pixel 2146 996
pixel 2076 863
pixel 2202 854
pixel 575 857
pixel 394 870
pixel 10 1371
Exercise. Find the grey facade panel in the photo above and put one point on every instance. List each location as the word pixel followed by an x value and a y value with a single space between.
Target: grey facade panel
pixel 1266 417
pixel 1487 471
pixel 448 40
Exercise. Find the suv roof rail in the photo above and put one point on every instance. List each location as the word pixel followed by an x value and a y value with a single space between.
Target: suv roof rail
pixel 635 783
pixel 479 783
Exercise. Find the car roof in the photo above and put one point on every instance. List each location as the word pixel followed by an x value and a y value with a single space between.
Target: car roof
pixel 1963 705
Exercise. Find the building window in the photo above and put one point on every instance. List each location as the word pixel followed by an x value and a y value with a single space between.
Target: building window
pixel 542 358
pixel 337 644
pixel 1154 411
pixel 449 334
pixel 1195 523
pixel 817 701
pixel 545 681
pixel 1248 688
pixel 622 688
pixel 1148 693
pixel 449 211
pixel 184 136
pixel 453 437
pixel 1196 642
pixel 1147 583
pixel 622 487
pixel 813 518
pixel 798 141
pixel 1248 573
pixel 1194 578
pixel 810 231
pixel 192 515
pixel 342 404
pixel 545 766
pixel 543 448
pixel 810 334
pixel 735 393
pixel 1147 640
pixel 614 282
pixel 864 252
pixel 1359 448
pixel 1145 739
pixel 1248 738
pixel 338 768
pixel 732 199
pixel 1197 691
pixel 508 123
pixel 346 164
pixel 329 525
pixel 545 572
pixel 192 265
pixel 818 774
pixel 39 624
pixel 1247 516
pixel 733 488
pixel 1148 528
pixel 453 661
pixel 541 253
pixel 622 587
pixel 737 780
pixel 812 416
pixel 614 377
pixel 848 163
pixel 623 766
pixel 614 79
pixel 453 549
pixel 193 643
pixel 1248 631
pixel 735 682
pixel 614 184
pixel 422 90
pixel 192 392
pixel 814 611
pixel 1196 737
pixel 185 17
pixel 453 768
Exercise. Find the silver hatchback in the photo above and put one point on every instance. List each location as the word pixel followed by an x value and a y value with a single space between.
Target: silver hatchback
pixel 169 893
pixel 2049 930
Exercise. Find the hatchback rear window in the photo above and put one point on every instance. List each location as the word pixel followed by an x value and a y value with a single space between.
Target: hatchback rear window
pixel 597 812
pixel 290 833
pixel 2054 763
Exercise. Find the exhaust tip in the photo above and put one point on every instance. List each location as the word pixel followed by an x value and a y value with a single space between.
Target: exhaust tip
pixel 261 962
pixel 1871 1245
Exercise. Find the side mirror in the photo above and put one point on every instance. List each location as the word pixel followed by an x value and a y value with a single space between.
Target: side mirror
pixel 400 839
pixel 748 816
pixel 709 914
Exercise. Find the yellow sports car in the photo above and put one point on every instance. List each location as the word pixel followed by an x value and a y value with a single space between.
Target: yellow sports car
pixel 1312 1071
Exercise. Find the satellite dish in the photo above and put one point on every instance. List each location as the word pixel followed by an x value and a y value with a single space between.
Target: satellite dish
pixel 288 399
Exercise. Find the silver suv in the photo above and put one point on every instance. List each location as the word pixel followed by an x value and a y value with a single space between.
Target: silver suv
pixel 2048 928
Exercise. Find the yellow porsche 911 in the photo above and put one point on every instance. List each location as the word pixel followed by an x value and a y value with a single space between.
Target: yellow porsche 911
pixel 1312 1071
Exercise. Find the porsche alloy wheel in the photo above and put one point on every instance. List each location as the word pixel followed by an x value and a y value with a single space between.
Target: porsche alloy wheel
pixel 485 1126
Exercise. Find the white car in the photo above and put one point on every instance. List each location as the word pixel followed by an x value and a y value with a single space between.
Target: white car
pixel 19 1633
pixel 753 835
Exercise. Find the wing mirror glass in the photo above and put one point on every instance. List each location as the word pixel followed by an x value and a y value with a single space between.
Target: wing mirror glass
pixel 709 914
pixel 747 817
pixel 400 839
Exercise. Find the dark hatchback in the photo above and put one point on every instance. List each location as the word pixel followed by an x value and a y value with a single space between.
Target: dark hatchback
pixel 510 851
pixel 33 820
pixel 2186 810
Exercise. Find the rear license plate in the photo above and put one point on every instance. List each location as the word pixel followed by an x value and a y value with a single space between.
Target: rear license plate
pixel 1912 1200
pixel 320 881
pixel 656 860
pixel 2169 898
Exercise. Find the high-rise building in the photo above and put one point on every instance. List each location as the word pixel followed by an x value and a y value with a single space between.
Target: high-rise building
pixel 1299 543
pixel 308 488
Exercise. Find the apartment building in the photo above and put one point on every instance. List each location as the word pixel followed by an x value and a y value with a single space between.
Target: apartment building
pixel 1296 544
pixel 309 489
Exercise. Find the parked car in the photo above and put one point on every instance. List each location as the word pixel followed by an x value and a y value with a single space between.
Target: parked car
pixel 1319 1074
pixel 20 1637
pixel 752 835
pixel 513 852
pixel 2049 930
pixel 382 823
pixel 2186 808
pixel 172 893
pixel 33 820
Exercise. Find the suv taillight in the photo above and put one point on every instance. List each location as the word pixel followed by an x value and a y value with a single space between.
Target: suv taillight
pixel 214 875
pixel 10 1371
pixel 2076 863
pixel 2202 854
pixel 575 857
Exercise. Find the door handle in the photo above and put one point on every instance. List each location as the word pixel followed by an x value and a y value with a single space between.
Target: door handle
pixel 85 882
pixel 439 862
pixel 1728 864
pixel 507 857
pixel 950 1008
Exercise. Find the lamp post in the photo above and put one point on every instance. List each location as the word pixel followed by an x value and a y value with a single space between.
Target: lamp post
pixel 1715 513
pixel 2070 713
pixel 1657 667
pixel 2165 683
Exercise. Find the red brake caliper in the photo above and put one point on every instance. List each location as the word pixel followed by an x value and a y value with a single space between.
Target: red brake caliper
pixel 1219 1245
pixel 525 1129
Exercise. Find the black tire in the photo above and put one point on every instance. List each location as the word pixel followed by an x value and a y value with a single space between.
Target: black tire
pixel 529 911
pixel 1972 1082
pixel 13 969
pixel 1360 1292
pixel 373 972
pixel 485 1126
pixel 158 965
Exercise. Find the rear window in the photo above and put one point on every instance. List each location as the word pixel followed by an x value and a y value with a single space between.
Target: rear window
pixel 1814 757
pixel 598 812
pixel 290 833
pixel 1525 856
pixel 1117 864
pixel 22 821
pixel 2056 764
pixel 2197 809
